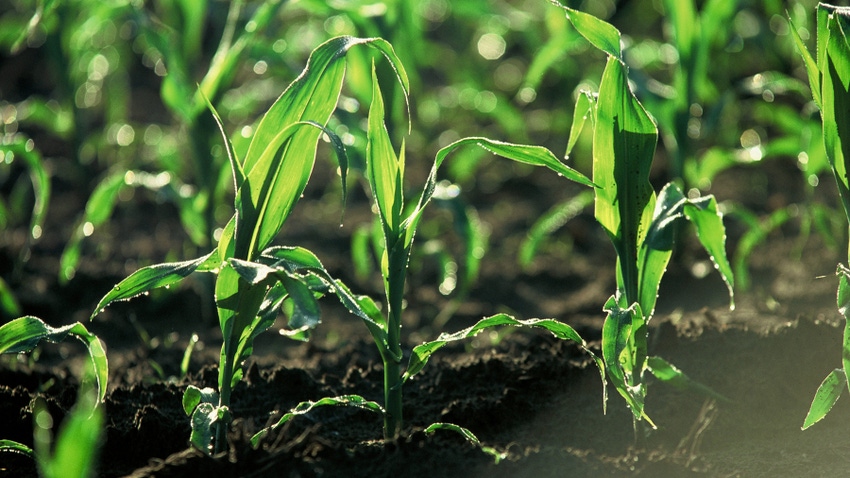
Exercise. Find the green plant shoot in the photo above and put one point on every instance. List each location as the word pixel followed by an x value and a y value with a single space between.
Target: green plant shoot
pixel 829 79
pixel 252 280
pixel 641 225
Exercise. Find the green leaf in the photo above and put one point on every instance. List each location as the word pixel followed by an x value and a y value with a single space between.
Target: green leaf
pixel 384 169
pixel 15 447
pixel 623 147
pixel 599 33
pixel 158 275
pixel 835 95
pixel 585 103
pixel 469 436
pixel 422 353
pixel 303 408
pixel 204 419
pixel 619 331
pixel 194 396
pixel 25 333
pixel 671 208
pixel 826 396
pixel 668 373
pixel 811 65
pixel 265 201
pixel 98 209
pixel 533 155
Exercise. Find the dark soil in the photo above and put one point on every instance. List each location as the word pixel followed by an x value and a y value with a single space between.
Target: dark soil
pixel 529 396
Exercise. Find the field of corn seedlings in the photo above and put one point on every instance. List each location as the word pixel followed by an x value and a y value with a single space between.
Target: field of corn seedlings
pixel 377 238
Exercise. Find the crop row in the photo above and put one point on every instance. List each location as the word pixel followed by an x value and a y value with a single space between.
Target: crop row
pixel 264 171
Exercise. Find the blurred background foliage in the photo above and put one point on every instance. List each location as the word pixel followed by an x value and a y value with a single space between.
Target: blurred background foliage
pixel 106 96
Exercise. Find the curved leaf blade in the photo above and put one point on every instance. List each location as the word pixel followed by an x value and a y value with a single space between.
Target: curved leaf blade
pixel 422 353
pixel 155 276
pixel 25 333
pixel 828 393
pixel 303 408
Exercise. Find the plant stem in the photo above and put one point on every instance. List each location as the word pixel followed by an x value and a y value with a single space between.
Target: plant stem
pixel 397 258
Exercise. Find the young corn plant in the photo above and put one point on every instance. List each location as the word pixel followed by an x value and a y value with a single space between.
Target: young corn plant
pixel 385 174
pixel 252 280
pixel 829 79
pixel 641 225
pixel 76 444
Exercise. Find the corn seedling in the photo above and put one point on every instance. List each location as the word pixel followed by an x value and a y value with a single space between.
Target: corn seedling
pixel 398 222
pixel 829 78
pixel 640 224
pixel 252 279
pixel 76 444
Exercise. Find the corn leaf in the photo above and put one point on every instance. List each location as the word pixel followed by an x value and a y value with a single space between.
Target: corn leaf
pixel 835 94
pixel 155 276
pixel 585 103
pixel 422 353
pixel 384 169
pixel 533 155
pixel 828 393
pixel 668 373
pixel 622 326
pixel 15 447
pixel 469 436
pixel 303 408
pixel 599 33
pixel 623 147
pixel 811 65
pixel 265 200
pixel 671 208
pixel 25 333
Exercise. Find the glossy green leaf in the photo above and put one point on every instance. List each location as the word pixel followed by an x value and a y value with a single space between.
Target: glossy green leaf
pixel 469 436
pixel 668 373
pixel 671 208
pixel 25 333
pixel 812 69
pixel 265 201
pixel 384 169
pixel 828 393
pixel 835 94
pixel 15 447
pixel 422 353
pixel 155 276
pixel 619 332
pixel 194 396
pixel 599 33
pixel 584 108
pixel 533 155
pixel 623 147
pixel 303 408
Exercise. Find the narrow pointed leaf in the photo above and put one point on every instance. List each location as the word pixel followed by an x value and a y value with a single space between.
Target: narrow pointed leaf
pixel 15 447
pixel 533 155
pixel 623 148
pixel 811 65
pixel 25 333
pixel 668 373
pixel 303 408
pixel 828 393
pixel 422 353
pixel 599 33
pixel 158 275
